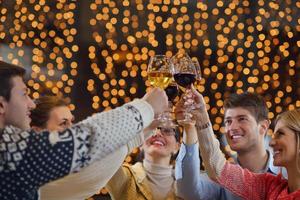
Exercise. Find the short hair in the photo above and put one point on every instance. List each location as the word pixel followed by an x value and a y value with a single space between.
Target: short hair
pixel 44 105
pixel 252 102
pixel 7 72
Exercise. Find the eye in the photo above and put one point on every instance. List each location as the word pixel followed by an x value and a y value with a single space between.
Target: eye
pixel 167 131
pixel 241 119
pixel 227 122
pixel 278 134
pixel 64 124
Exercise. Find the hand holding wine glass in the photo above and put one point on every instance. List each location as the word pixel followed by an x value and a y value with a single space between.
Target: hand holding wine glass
pixel 160 74
pixel 157 99
pixel 185 75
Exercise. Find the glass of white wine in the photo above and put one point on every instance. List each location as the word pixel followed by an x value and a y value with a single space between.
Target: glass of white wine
pixel 160 74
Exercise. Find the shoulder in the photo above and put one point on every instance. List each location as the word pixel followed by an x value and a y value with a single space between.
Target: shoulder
pixel 137 171
pixel 13 145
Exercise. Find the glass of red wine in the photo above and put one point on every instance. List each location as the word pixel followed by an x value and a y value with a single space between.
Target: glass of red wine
pixel 198 70
pixel 185 75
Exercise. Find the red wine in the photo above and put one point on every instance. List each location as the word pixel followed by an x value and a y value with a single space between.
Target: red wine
pixel 172 92
pixel 185 79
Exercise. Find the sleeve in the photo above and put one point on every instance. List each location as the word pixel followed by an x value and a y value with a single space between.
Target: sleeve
pixel 241 182
pixel 190 182
pixel 87 182
pixel 32 159
pixel 118 183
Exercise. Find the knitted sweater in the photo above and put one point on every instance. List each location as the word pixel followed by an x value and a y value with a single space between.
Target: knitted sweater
pixel 87 182
pixel 29 160
pixel 242 182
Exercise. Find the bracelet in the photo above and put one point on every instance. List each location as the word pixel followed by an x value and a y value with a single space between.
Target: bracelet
pixel 203 126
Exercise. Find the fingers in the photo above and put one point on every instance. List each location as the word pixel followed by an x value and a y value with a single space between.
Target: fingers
pixel 158 99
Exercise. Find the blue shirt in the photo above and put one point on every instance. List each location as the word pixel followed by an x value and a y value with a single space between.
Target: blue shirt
pixel 194 184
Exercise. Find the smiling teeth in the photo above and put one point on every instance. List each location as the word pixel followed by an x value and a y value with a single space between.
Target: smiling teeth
pixel 158 143
pixel 276 152
pixel 236 136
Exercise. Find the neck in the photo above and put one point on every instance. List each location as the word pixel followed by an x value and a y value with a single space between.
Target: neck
pixel 254 160
pixel 165 161
pixel 294 178
pixel 1 124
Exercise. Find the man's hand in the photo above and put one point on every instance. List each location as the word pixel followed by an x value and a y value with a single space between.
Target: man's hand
pixel 158 99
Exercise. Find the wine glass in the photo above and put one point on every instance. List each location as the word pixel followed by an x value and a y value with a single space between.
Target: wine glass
pixel 160 74
pixel 198 70
pixel 185 75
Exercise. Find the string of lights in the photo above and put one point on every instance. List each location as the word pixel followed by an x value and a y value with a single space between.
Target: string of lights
pixel 241 45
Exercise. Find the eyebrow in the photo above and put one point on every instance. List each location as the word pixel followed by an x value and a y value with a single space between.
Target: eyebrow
pixel 66 119
pixel 25 89
pixel 238 116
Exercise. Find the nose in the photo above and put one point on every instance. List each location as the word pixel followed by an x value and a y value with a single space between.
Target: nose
pixel 157 132
pixel 31 104
pixel 232 126
pixel 272 142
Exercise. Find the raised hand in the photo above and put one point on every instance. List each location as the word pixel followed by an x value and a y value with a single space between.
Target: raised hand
pixel 158 99
pixel 198 113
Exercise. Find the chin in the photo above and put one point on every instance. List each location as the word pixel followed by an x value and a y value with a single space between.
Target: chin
pixel 235 147
pixel 278 162
pixel 157 152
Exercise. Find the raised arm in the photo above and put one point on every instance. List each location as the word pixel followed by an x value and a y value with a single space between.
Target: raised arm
pixel 190 181
pixel 33 159
pixel 241 182
pixel 87 182
pixel 91 179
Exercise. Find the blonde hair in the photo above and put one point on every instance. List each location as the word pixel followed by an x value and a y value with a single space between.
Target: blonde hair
pixel 291 119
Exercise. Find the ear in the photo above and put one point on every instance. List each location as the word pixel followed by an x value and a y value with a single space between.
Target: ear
pixel 3 105
pixel 36 128
pixel 177 147
pixel 264 126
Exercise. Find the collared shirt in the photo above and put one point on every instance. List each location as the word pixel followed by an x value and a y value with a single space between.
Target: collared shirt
pixel 269 167
pixel 194 184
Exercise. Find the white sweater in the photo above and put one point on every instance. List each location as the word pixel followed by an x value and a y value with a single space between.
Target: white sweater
pixel 95 148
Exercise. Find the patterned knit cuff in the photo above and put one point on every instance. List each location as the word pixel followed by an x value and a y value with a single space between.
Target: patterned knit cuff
pixel 145 110
pixel 135 142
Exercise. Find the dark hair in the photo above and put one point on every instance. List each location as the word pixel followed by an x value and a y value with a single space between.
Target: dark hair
pixel 7 72
pixel 252 102
pixel 177 134
pixel 40 115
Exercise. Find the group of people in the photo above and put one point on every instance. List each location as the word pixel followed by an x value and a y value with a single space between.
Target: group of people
pixel 43 155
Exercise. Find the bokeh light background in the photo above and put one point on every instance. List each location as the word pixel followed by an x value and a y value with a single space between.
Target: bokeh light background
pixel 95 53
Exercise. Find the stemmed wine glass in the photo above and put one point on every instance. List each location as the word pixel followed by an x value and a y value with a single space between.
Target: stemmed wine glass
pixel 198 70
pixel 185 75
pixel 160 74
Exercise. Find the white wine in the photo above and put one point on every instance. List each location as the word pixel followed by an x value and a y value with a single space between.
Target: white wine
pixel 160 79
